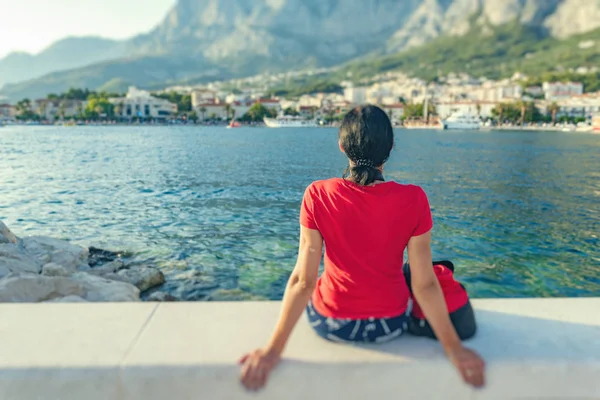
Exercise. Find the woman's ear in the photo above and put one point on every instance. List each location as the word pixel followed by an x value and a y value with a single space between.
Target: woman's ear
pixel 341 148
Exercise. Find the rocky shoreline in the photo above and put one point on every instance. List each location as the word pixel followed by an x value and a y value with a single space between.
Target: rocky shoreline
pixel 43 269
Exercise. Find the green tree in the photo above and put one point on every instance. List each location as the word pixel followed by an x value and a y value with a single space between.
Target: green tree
pixel 183 101
pixel 554 109
pixel 203 113
pixel 118 109
pixel 227 111
pixel 193 116
pixel 62 108
pixel 258 112
pixel 98 107
pixel 415 110
pixel 41 111
pixel 290 111
pixel 25 111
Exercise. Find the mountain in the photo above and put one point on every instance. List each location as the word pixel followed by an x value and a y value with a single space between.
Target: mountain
pixel 65 54
pixel 203 39
pixel 493 52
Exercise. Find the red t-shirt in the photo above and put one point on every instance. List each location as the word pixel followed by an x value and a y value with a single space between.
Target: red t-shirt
pixel 365 230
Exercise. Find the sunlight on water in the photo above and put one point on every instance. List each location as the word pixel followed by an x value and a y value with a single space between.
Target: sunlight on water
pixel 519 213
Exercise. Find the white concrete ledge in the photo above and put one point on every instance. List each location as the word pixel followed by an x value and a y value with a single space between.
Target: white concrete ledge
pixel 534 348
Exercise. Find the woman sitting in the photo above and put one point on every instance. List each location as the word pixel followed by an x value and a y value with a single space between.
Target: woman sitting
pixel 366 224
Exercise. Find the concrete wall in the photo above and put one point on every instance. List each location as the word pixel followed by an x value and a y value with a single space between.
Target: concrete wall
pixel 534 348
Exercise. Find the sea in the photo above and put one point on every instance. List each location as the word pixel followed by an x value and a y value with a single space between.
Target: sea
pixel 217 209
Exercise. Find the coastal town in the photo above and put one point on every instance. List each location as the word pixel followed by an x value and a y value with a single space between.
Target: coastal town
pixel 512 102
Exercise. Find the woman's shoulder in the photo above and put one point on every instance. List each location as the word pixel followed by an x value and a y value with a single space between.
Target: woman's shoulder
pixel 326 184
pixel 408 188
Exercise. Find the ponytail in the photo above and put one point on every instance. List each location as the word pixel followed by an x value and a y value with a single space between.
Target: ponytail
pixel 363 175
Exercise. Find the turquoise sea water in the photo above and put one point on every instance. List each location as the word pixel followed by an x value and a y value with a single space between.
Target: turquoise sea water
pixel 215 208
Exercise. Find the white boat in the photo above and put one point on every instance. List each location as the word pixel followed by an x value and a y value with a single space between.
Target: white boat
pixel 462 121
pixel 289 122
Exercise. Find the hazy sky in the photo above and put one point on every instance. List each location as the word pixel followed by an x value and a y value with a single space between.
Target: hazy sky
pixel 32 25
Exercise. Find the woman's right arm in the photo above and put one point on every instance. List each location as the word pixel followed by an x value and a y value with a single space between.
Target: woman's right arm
pixel 430 297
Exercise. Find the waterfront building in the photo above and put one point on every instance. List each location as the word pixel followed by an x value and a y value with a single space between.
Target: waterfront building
pixel 562 90
pixel 51 110
pixel 141 104
pixel 7 112
pixel 482 109
pixel 203 96
pixel 356 95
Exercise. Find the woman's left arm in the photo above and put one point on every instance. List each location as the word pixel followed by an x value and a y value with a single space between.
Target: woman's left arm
pixel 257 365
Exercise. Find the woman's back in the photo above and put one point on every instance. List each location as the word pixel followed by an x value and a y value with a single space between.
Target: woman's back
pixel 365 230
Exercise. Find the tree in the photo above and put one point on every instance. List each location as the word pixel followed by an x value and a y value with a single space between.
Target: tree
pixel 118 110
pixel 523 107
pixel 97 107
pixel 183 101
pixel 62 109
pixel 227 110
pixel 497 112
pixel 290 111
pixel 42 109
pixel 193 116
pixel 478 108
pixel 258 112
pixel 25 111
pixel 415 110
pixel 517 113
pixel 554 109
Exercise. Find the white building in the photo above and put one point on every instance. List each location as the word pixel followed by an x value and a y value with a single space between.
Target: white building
pixel 311 100
pixel 203 96
pixel 495 92
pixel 140 104
pixel 51 110
pixel 562 90
pixel 7 112
pixel 356 95
pixel 482 109
pixel 214 111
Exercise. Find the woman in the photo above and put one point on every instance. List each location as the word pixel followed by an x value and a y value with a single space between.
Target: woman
pixel 366 224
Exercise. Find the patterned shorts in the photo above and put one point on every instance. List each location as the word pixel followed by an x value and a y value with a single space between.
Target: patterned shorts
pixel 372 330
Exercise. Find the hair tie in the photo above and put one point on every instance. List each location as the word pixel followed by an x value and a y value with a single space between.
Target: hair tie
pixel 362 162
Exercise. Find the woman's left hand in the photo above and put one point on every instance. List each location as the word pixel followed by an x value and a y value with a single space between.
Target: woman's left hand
pixel 256 367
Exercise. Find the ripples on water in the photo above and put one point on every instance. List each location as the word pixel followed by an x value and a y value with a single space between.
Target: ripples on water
pixel 519 213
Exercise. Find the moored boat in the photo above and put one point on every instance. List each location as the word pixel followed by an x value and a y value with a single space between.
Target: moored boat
pixel 462 121
pixel 289 122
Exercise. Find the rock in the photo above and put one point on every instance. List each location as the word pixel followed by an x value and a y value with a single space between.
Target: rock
pixel 52 269
pixel 4 271
pixel 29 288
pixel 162 296
pixel 107 269
pixel 37 288
pixel 67 299
pixel 100 256
pixel 232 295
pixel 49 250
pixel 6 236
pixel 143 277
pixel 100 289
pixel 14 260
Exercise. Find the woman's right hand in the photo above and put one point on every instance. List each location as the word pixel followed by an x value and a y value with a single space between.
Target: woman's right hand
pixel 256 368
pixel 470 365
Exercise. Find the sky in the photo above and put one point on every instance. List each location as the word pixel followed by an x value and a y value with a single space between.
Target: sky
pixel 32 25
